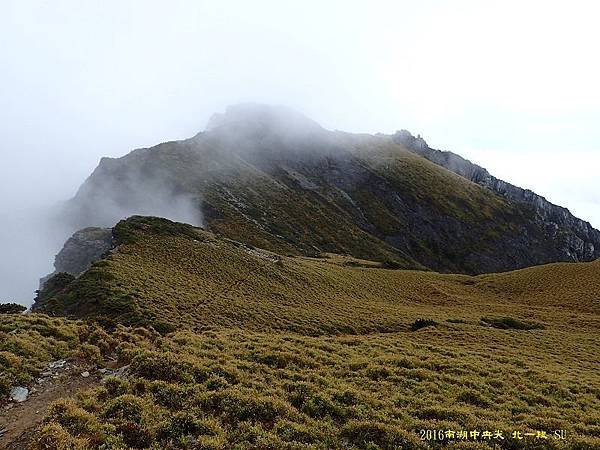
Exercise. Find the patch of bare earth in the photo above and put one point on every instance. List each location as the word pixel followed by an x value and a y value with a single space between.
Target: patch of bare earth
pixel 18 421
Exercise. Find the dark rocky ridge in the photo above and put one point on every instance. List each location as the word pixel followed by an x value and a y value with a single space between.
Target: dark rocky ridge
pixel 274 179
pixel 579 240
pixel 80 251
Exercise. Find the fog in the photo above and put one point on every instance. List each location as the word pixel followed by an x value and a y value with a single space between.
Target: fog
pixel 510 85
pixel 103 201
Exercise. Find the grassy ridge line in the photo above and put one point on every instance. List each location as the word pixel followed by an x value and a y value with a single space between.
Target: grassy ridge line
pixel 428 182
pixel 171 275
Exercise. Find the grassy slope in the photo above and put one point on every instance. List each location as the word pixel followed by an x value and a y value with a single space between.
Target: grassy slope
pixel 417 177
pixel 29 342
pixel 323 219
pixel 293 351
pixel 188 277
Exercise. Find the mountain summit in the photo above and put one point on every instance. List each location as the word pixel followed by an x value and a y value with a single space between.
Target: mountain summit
pixel 256 116
pixel 272 178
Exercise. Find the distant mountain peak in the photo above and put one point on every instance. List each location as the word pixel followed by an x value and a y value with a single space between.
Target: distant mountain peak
pixel 262 116
pixel 406 138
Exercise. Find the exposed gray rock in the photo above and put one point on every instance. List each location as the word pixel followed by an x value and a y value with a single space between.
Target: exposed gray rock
pixel 121 372
pixel 80 251
pixel 579 241
pixel 19 394
pixel 57 364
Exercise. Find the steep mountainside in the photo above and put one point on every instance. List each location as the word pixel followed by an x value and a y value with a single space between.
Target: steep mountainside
pixel 580 241
pixel 274 179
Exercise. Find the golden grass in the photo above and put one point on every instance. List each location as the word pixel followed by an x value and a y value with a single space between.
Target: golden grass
pixel 245 389
pixel 29 342
pixel 295 352
pixel 199 280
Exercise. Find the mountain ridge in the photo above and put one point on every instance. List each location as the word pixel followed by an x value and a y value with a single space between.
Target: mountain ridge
pixel 166 274
pixel 277 180
pixel 584 245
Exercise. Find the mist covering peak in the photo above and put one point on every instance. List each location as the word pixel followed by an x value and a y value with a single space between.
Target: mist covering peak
pixel 262 116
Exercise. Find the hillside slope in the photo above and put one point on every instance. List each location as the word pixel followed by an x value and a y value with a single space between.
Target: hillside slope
pixel 261 350
pixel 274 179
pixel 164 273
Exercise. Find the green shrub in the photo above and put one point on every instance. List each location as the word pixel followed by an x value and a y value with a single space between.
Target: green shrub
pixel 135 434
pixel 11 308
pixel 127 231
pixel 422 323
pixel 365 433
pixel 319 406
pixel 125 407
pixel 165 367
pixel 169 395
pixel 74 419
pixel 53 286
pixel 474 398
pixel 377 373
pixel 294 432
pixel 116 386
pixel 347 397
pixel 163 327
pixel 90 352
pixel 212 443
pixel 237 406
pixel 52 436
pixel 184 423
pixel 216 383
pixel 299 394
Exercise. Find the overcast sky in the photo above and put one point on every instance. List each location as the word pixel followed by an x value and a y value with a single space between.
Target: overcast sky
pixel 512 85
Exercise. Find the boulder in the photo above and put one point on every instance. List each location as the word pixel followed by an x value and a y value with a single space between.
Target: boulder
pixel 19 394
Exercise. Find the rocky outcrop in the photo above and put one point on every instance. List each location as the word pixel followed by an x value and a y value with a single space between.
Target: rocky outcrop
pixel 579 241
pixel 80 251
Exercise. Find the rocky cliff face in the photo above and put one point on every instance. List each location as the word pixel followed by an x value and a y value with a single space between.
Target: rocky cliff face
pixel 578 240
pixel 80 251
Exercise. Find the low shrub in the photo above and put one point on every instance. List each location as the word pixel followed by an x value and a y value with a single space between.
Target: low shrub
pixel 125 407
pixel 422 323
pixel 11 308
pixel 52 436
pixel 364 434
pixel 165 367
pixel 74 419
pixel 473 397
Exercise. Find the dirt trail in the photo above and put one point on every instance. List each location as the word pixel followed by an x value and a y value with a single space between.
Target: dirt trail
pixel 19 420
